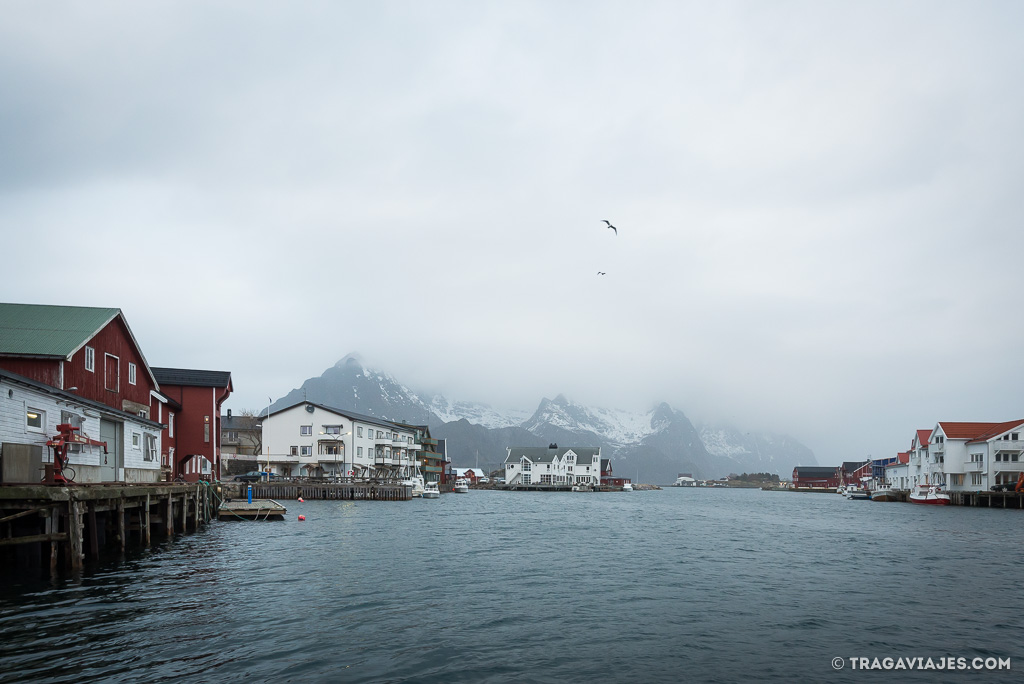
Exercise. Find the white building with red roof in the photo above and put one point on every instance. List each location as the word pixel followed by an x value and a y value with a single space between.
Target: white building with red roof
pixel 975 456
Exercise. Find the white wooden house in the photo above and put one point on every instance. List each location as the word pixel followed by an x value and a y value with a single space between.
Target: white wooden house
pixel 553 465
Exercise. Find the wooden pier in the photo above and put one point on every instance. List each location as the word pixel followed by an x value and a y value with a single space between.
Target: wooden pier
pixel 59 527
pixel 344 491
pixel 987 499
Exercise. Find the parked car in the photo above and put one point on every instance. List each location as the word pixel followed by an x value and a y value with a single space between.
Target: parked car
pixel 254 476
pixel 1006 487
pixel 484 480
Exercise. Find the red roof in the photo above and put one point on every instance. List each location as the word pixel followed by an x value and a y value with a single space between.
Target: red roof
pixel 903 457
pixel 923 437
pixel 977 432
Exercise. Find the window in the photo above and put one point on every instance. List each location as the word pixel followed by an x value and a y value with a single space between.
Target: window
pixel 229 436
pixel 526 466
pixel 90 359
pixel 35 420
pixel 112 373
pixel 359 451
pixel 150 454
pixel 170 425
pixel 136 440
pixel 294 451
pixel 131 373
pixel 359 431
pixel 305 430
pixel 306 451
pixel 332 429
pixel 526 478
pixel 975 478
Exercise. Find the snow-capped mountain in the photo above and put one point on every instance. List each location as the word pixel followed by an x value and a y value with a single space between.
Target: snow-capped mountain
pixel 655 445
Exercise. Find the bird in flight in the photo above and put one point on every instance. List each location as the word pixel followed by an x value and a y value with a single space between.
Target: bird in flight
pixel 600 273
pixel 611 226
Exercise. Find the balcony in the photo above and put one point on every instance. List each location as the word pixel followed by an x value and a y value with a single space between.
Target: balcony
pixel 429 440
pixel 974 466
pixel 936 448
pixel 400 443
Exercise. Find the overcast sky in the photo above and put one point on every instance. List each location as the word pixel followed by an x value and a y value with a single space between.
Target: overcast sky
pixel 818 203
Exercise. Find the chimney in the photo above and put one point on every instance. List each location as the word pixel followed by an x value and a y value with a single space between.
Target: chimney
pixel 229 413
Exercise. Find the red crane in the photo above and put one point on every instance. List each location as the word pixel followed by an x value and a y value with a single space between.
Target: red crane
pixel 60 444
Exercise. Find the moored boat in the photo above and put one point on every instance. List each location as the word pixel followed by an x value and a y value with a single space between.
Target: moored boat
pixel 627 487
pixel 461 486
pixel 858 494
pixel 430 491
pixel 883 493
pixel 929 494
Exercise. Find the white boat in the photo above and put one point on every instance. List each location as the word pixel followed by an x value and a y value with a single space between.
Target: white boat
pixel 841 489
pixel 461 486
pixel 430 491
pixel 858 494
pixel 627 487
pixel 883 493
pixel 929 494
pixel 416 482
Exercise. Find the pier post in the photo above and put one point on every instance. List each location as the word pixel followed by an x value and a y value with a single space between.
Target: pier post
pixel 144 522
pixel 184 512
pixel 74 534
pixel 169 518
pixel 53 526
pixel 120 524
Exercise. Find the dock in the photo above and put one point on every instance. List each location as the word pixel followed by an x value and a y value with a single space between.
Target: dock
pixel 259 509
pixel 57 527
pixel 341 491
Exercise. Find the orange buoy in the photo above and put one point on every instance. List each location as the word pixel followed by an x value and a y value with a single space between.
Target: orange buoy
pixel 301 500
pixel 302 517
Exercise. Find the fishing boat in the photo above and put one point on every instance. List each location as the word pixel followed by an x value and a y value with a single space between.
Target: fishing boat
pixel 430 491
pixel 461 486
pixel 883 493
pixel 929 494
pixel 858 494
pixel 627 487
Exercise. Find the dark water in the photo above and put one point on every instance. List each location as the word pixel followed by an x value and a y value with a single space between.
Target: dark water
pixel 677 585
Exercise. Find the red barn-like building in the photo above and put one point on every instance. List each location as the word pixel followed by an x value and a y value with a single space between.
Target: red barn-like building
pixel 191 440
pixel 805 477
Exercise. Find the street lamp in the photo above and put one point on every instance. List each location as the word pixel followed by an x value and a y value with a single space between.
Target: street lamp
pixel 337 437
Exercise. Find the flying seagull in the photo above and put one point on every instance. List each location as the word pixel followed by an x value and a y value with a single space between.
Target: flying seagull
pixel 600 273
pixel 611 226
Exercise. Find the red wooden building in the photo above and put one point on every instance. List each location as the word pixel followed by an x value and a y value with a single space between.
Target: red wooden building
pixel 805 477
pixel 191 440
pixel 89 355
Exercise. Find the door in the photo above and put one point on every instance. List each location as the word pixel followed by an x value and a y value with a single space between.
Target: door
pixel 110 432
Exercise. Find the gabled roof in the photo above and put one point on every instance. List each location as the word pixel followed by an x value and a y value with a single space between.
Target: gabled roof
pixel 192 378
pixel 351 415
pixel 57 332
pixel 815 471
pixel 923 437
pixel 998 429
pixel 547 454
pixel 976 431
pixel 45 331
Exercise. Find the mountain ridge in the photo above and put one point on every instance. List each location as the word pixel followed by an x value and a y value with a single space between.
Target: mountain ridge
pixel 654 446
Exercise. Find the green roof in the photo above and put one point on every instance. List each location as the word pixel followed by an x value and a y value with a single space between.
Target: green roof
pixel 54 331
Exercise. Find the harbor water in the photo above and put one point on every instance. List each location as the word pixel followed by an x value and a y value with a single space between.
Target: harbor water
pixel 683 584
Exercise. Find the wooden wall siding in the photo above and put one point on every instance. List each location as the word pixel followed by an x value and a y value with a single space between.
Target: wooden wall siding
pixel 41 370
pixel 113 339
pixel 86 463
